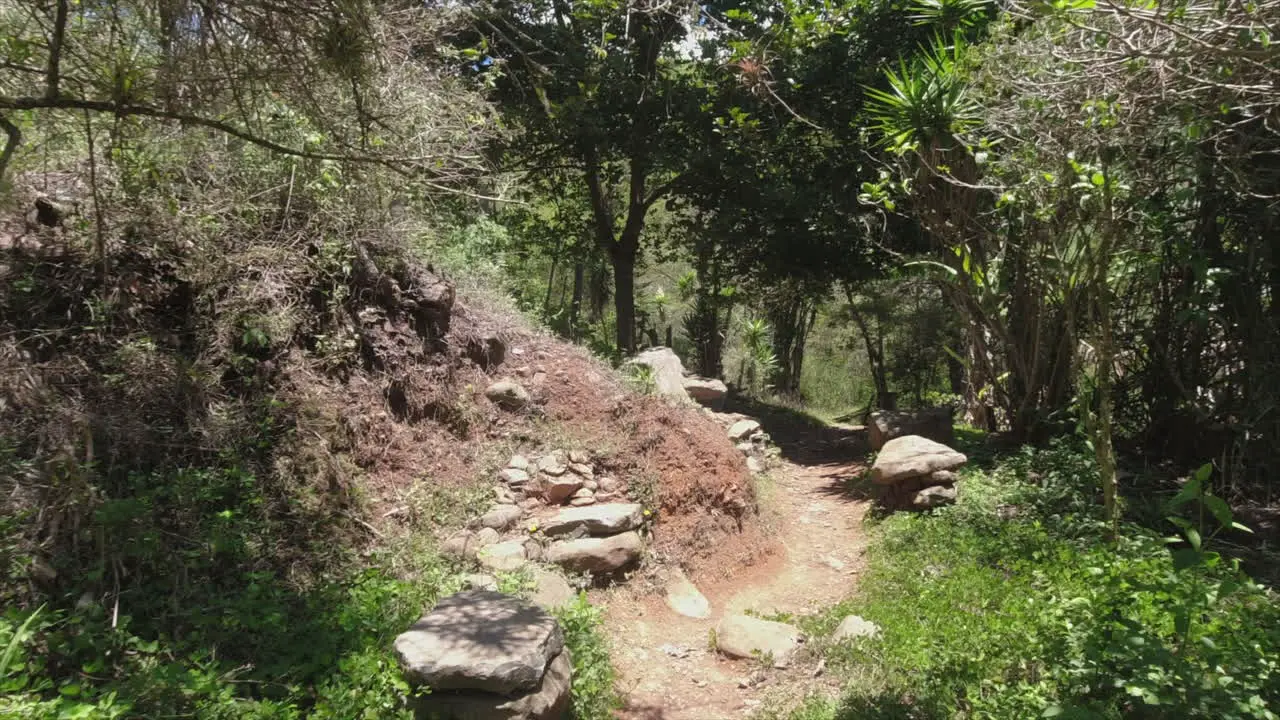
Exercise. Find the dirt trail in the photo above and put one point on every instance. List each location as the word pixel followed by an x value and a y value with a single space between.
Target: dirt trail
pixel 666 667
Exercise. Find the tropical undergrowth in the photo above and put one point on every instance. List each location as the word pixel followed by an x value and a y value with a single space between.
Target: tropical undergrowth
pixel 1014 604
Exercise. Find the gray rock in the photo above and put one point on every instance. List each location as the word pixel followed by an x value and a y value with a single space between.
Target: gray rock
pixel 481 581
pixel 549 701
pixel 480 640
pixel 558 489
pixel 504 556
pixel 580 457
pixel 513 476
pixel 745 448
pixel 467 544
pixel 487 351
pixel 582 501
pixel 591 485
pixel 912 456
pixel 518 462
pixel 501 517
pixel 943 477
pixel 608 484
pixel 584 492
pixel 742 636
pixel 550 589
pixel 551 464
pixel 597 555
pixel 503 496
pixel 707 392
pixel 508 395
pixel 932 497
pixel 668 371
pixel 743 429
pixel 933 423
pixel 754 465
pixel 854 627
pixel 581 469
pixel 685 598
pixel 533 550
pixel 598 519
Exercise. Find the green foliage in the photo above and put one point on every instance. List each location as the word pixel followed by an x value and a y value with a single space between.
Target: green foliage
pixel 641 379
pixel 756 361
pixel 594 696
pixel 928 103
pixel 1012 604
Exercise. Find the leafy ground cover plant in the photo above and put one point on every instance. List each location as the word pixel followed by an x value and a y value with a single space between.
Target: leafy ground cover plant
pixel 1013 604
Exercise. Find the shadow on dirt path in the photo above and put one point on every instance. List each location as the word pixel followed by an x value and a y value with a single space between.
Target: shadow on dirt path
pixel 803 438
pixel 666 663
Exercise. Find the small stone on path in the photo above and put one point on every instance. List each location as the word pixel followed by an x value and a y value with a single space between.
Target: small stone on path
pixel 742 636
pixel 743 429
pixel 501 517
pixel 504 556
pixel 855 627
pixel 685 598
pixel 508 395
pixel 558 489
pixel 550 589
pixel 513 476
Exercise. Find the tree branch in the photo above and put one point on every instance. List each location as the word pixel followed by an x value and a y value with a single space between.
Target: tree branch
pixel 129 109
pixel 52 72
pixel 15 137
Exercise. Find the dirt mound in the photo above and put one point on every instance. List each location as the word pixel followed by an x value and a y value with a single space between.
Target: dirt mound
pixel 323 388
pixel 675 459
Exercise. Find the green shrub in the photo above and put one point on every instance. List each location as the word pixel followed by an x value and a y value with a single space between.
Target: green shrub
pixel 1012 605
pixel 594 697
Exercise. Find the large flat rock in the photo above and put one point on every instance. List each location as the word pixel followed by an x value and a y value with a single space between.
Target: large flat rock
pixel 913 456
pixel 706 391
pixel 597 555
pixel 668 371
pixel 933 423
pixel 549 701
pixel 480 640
pixel 601 519
pixel 743 636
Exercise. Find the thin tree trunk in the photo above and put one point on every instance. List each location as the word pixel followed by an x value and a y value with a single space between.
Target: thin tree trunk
pixel 1104 450
pixel 575 304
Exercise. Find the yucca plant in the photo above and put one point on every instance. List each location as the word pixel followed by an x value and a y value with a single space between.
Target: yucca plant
pixel 927 106
pixel 950 14
pixel 758 361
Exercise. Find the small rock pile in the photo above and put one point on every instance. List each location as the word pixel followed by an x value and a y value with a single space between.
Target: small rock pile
pixel 486 656
pixel 750 439
pixel 555 508
pixel 916 473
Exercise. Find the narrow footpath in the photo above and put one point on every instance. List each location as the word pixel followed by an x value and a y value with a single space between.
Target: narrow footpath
pixel 667 668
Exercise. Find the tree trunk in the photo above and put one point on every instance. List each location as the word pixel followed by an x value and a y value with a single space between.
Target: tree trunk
pixel 575 304
pixel 1104 450
pixel 624 297
pixel 874 343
